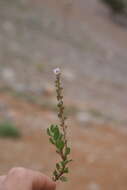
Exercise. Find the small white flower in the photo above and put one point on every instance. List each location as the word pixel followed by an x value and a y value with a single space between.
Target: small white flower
pixel 56 71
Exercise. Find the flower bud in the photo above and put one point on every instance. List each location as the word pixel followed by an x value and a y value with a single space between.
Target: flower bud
pixel 57 71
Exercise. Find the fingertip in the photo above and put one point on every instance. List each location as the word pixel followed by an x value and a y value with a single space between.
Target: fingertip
pixel 49 184
pixel 53 185
pixel 41 181
pixel 2 178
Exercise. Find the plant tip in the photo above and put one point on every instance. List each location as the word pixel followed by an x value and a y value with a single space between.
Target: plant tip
pixel 56 71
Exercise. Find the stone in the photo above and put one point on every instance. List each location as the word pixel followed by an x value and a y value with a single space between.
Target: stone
pixel 93 186
pixel 8 75
pixel 68 75
pixel 84 117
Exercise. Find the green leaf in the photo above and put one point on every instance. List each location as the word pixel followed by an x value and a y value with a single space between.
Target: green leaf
pixel 58 166
pixel 60 136
pixel 52 128
pixel 48 132
pixel 67 151
pixel 56 133
pixel 60 144
pixel 63 163
pixel 55 173
pixel 52 141
pixel 66 170
pixel 63 178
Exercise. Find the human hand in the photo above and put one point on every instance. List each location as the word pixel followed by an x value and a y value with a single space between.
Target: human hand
pixel 25 179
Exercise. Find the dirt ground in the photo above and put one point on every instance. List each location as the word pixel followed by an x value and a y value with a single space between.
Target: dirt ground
pixel 99 151
pixel 82 38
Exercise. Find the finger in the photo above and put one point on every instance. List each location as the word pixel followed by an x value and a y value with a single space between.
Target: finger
pixel 2 178
pixel 43 182
pixel 49 184
pixel 28 179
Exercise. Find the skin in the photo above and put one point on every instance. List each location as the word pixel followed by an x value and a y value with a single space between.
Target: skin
pixel 25 179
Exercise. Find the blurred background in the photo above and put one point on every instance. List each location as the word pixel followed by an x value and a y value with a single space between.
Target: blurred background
pixel 87 39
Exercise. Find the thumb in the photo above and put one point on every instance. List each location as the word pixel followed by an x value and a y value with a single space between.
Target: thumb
pixel 43 182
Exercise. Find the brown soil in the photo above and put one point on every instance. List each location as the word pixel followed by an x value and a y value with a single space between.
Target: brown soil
pixel 99 151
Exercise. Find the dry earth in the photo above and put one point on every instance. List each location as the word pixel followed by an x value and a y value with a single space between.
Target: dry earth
pixel 99 151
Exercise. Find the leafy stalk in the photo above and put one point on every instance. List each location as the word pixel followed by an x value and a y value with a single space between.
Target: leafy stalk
pixel 57 134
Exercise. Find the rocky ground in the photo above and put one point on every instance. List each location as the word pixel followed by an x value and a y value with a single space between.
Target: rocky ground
pixel 82 38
